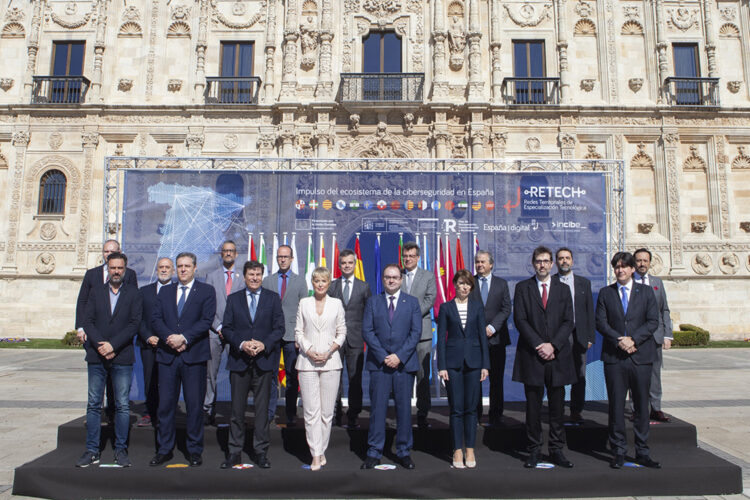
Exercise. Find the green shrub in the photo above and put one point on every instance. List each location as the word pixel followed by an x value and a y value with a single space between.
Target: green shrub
pixel 71 338
pixel 690 337
pixel 687 327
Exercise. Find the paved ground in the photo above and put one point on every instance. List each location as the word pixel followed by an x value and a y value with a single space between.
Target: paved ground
pixel 40 389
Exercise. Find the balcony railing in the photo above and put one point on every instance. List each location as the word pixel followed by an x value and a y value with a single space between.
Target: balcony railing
pixel 692 91
pixel 531 91
pixel 382 87
pixel 59 89
pixel 232 90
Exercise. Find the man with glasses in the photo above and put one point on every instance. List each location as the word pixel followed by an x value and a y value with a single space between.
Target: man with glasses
pixel 391 328
pixel 291 288
pixel 543 314
pixel 225 280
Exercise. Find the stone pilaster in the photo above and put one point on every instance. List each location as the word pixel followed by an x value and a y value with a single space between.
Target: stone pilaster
pixel 499 139
pixel 661 48
pixel 562 51
pixel 567 143
pixel 270 52
pixel 439 81
pixel 476 85
pixel 20 141
pixel 669 142
pixel 32 48
pixel 289 56
pixel 324 88
pixel 200 51
pixel 95 95
pixel 708 25
pixel 495 47
pixel 89 141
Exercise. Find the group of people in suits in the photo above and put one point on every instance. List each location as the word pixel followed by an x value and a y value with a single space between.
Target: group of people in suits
pixel 184 327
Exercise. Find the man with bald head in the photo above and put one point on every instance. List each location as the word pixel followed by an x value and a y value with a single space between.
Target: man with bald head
pixel 148 340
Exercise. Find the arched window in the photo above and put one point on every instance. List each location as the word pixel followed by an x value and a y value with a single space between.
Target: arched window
pixel 52 192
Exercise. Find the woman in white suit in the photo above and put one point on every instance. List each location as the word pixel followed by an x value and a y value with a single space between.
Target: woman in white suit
pixel 319 333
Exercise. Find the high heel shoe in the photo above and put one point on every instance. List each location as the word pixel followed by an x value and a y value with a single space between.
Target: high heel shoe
pixel 315 465
pixel 458 464
pixel 323 461
pixel 471 463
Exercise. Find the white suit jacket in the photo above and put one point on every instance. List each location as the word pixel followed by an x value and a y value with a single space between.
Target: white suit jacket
pixel 319 332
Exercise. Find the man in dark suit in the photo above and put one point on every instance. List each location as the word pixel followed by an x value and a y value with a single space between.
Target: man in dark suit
pixel 627 317
pixel 93 278
pixel 543 314
pixel 584 334
pixel 662 335
pixel 225 281
pixel 354 294
pixel 253 325
pixel 391 328
pixel 291 288
pixel 181 319
pixel 420 283
pixel 494 294
pixel 111 319
pixel 148 341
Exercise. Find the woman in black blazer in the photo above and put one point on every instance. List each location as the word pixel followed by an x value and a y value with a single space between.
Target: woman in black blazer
pixel 463 363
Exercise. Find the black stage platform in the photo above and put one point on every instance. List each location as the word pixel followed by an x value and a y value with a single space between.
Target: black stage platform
pixel 687 470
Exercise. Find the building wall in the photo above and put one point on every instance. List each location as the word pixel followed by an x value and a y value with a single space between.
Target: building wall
pixel 686 173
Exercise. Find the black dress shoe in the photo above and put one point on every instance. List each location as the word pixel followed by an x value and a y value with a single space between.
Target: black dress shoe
pixel 232 460
pixel 370 463
pixel 422 423
pixel 209 419
pixel 160 459
pixel 196 460
pixel 558 458
pixel 262 460
pixel 576 417
pixel 647 462
pixel 659 416
pixel 617 461
pixel 406 462
pixel 533 459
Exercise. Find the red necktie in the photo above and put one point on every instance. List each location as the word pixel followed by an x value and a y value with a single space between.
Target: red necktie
pixel 283 285
pixel 544 295
pixel 228 285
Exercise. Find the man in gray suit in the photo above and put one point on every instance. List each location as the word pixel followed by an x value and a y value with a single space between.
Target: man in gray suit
pixel 353 293
pixel 292 288
pixel 663 334
pixel 420 283
pixel 225 280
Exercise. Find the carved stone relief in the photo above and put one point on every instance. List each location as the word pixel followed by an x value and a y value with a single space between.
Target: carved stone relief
pixel 125 84
pixel 68 20
pixel 693 161
pixel 309 42
pixel 238 10
pixel 729 30
pixel 683 18
pixel 383 144
pixel 583 9
pixel 456 35
pixel 641 159
pixel 584 27
pixel 13 30
pixel 6 84
pixel 55 140
pixel 533 144
pixel 48 231
pixel 729 263
pixel 131 22
pixel 734 86
pixel 631 28
pixel 702 263
pixel 635 84
pixel 657 265
pixel 45 263
pixel 741 161
pixel 587 84
pixel 231 141
pixel 527 16
pixel 56 162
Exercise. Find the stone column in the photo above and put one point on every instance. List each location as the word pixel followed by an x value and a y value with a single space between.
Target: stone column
pixel 567 145
pixel 20 141
pixel 32 48
pixel 287 137
pixel 499 140
pixel 266 142
pixel 289 63
pixel 270 51
pixel 200 52
pixel 151 58
pixel 194 142
pixel 670 140
pixel 495 46
pixel 89 141
pixel 718 172
pixel 661 49
pixel 562 51
pixel 439 81
pixel 99 46
pixel 324 88
pixel 710 39
pixel 476 84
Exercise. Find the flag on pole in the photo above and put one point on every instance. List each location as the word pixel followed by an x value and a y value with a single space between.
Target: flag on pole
pixel 295 260
pixel 262 258
pixel 424 262
pixel 309 262
pixel 378 280
pixel 401 250
pixel 251 249
pixel 282 371
pixel 476 251
pixel 439 276
pixel 336 270
pixel 359 269
pixel 450 290
pixel 275 264
pixel 284 238
pixel 322 257
pixel 459 254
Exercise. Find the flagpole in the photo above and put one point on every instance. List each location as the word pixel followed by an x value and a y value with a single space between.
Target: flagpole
pixel 249 244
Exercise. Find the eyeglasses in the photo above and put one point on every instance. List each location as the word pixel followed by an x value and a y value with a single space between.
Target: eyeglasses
pixel 540 262
pixel 392 277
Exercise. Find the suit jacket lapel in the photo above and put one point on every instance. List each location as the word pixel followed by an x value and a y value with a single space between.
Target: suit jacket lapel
pixel 535 295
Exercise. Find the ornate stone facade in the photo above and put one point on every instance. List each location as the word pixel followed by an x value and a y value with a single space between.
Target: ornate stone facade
pixel 149 64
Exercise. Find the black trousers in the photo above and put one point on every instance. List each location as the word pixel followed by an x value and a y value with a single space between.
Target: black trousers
pixel 621 376
pixel 354 358
pixel 424 398
pixel 578 390
pixel 150 381
pixel 242 383
pixel 496 378
pixel 556 402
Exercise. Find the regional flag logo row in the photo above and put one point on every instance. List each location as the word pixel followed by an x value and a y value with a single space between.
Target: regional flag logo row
pixel 393 205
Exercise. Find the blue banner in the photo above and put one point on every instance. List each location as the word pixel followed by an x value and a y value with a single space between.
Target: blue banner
pixel 509 214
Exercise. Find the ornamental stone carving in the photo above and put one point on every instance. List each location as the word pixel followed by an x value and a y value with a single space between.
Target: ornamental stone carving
pixel 55 141
pixel 631 12
pixel 57 162
pixel 20 138
pixel 383 144
pixel 533 144
pixel 408 123
pixel 741 161
pixel 45 263
pixel 728 13
pixel 693 161
pixel 231 141
pixel 90 139
pixel 745 226
pixel 456 43
pixel 67 21
pixel 683 18
pixel 635 84
pixel 566 140
pixel 125 84
pixel 698 227
pixel 729 263
pixel 238 9
pixel 180 13
pixel 354 123
pixel 583 9
pixel 729 30
pixel 641 159
pixel 587 84
pixel 6 83
pixel 702 263
pixel 15 14
pixel 526 16
pixel 657 265
pixel 645 227
pixel 382 8
pixel 734 86
pixel 174 85
pixel 309 43
pixel 48 231
pixel 194 141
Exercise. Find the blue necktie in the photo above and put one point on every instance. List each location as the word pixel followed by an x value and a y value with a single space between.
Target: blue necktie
pixel 624 299
pixel 181 302
pixel 391 309
pixel 253 306
pixel 484 291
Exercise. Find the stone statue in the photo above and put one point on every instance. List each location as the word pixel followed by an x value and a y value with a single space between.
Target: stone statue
pixel 309 41
pixel 456 43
